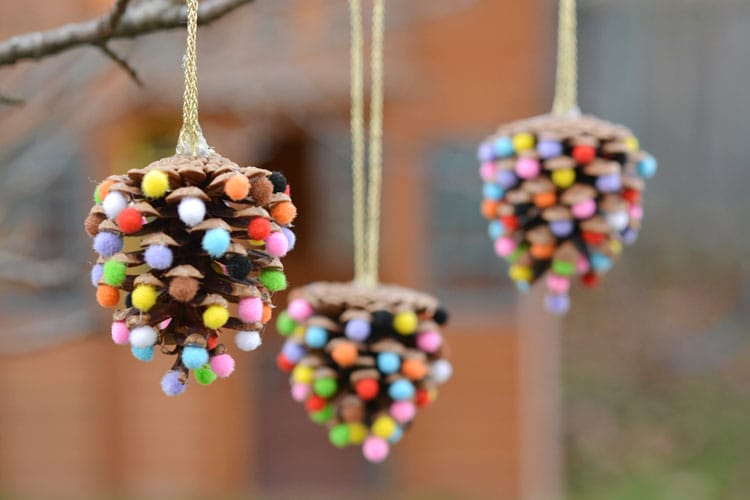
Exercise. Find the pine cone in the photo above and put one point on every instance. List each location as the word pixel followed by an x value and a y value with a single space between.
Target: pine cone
pixel 562 194
pixel 190 247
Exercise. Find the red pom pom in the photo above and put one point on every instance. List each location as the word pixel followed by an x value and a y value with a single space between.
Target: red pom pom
pixel 283 363
pixel 510 223
pixel 288 190
pixel 422 397
pixel 594 238
pixel 130 220
pixel 213 339
pixel 584 154
pixel 315 403
pixel 259 229
pixel 631 196
pixel 367 389
pixel 590 280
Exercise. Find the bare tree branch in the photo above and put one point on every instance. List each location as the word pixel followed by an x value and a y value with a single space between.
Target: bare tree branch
pixel 121 62
pixel 119 22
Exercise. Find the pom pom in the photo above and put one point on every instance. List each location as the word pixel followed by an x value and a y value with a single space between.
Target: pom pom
pixel 325 387
pixel 158 257
pixel 204 375
pixel 299 310
pixel 284 213
pixel 440 316
pixel 403 411
pixel 143 353
pixel 290 237
pixel 367 389
pixel 300 392
pixel 216 242
pixel 130 220
pixel 237 187
pixel 316 337
pixel 315 403
pixel 382 322
pixel 142 336
pixel 107 296
pixel 107 244
pixel 396 436
pixel 215 316
pixel 261 190
pixel 405 322
pixel 293 351
pixel 557 303
pixel 647 167
pixel 144 297
pixel 239 267
pixel 259 228
pixel 339 435
pixel 345 354
pixel 222 365
pixel 357 329
pixel 277 245
pixel 527 168
pixel 285 324
pixel 441 370
pixel 429 341
pixel 193 357
pixel 102 190
pixel 584 154
pixel 375 449
pixel 247 341
pixel 171 385
pixel 357 432
pixel 279 182
pixel 388 362
pixel 97 271
pixel 113 204
pixel 155 184
pixel 273 279
pixel 114 273
pixel 284 364
pixel 401 390
pixel 384 426
pixel 302 374
pixel 250 309
pixel 322 416
pixel 414 369
pixel 120 333
pixel 191 211
pixel 183 289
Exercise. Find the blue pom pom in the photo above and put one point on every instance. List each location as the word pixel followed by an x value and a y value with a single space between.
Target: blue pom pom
pixel 522 286
pixel 216 242
pixel 171 385
pixel 143 353
pixel 158 256
pixel 290 237
pixel 647 167
pixel 107 244
pixel 492 191
pixel 96 274
pixel 401 390
pixel 398 433
pixel 495 229
pixel 193 357
pixel 600 262
pixel 316 337
pixel 389 362
pixel 503 147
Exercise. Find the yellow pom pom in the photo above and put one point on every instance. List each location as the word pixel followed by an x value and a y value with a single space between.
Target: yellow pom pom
pixel 615 246
pixel 405 322
pixel 215 316
pixel 357 432
pixel 384 426
pixel 144 297
pixel 299 331
pixel 302 374
pixel 564 177
pixel 523 142
pixel 632 144
pixel 520 273
pixel 155 184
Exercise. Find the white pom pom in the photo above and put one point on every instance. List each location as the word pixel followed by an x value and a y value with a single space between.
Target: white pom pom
pixel 441 370
pixel 142 336
pixel 618 220
pixel 192 211
pixel 248 341
pixel 113 204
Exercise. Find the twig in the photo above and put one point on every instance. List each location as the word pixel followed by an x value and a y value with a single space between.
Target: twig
pixel 121 62
pixel 138 20
pixel 6 100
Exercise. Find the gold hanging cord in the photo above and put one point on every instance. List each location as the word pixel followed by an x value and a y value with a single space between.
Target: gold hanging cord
pixel 566 81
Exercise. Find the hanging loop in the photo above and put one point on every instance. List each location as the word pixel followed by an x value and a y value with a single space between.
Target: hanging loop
pixel 566 81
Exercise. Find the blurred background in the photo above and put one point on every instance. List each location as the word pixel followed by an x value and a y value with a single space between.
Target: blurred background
pixel 642 392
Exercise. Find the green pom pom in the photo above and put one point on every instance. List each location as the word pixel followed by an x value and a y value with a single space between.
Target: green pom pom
pixel 114 273
pixel 325 387
pixel 322 416
pixel 339 435
pixel 204 375
pixel 97 198
pixel 273 279
pixel 285 324
pixel 563 268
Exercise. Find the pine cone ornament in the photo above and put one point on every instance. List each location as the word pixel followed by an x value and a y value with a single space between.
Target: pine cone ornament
pixel 189 248
pixel 562 195
pixel 362 360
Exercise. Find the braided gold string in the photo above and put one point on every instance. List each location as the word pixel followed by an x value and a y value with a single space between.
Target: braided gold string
pixel 566 82
pixel 357 126
pixel 191 140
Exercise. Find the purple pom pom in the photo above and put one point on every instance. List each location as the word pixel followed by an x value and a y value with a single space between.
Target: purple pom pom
pixel 557 303
pixel 96 274
pixel 293 351
pixel 171 385
pixel 291 237
pixel 158 256
pixel 485 152
pixel 107 244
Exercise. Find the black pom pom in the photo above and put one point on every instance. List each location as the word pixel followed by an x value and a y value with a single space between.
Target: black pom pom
pixel 382 322
pixel 440 316
pixel 279 182
pixel 239 267
pixel 129 300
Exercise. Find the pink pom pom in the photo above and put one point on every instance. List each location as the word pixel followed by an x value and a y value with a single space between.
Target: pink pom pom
pixel 582 265
pixel 165 323
pixel 300 310
pixel 527 168
pixel 403 411
pixel 504 246
pixel 222 365
pixel 375 449
pixel 487 171
pixel 558 284
pixel 584 209
pixel 120 332
pixel 429 341
pixel 277 245
pixel 300 392
pixel 250 310
pixel 636 212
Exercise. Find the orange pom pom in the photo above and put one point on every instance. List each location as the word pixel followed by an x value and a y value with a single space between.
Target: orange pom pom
pixel 545 200
pixel 414 369
pixel 237 187
pixel 104 188
pixel 284 213
pixel 345 354
pixel 267 314
pixel 542 252
pixel 107 296
pixel 489 209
